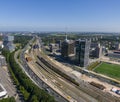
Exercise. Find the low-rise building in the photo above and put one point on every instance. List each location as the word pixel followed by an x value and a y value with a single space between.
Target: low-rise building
pixel 114 55
pixel 2 61
pixel 54 47
pixel 3 92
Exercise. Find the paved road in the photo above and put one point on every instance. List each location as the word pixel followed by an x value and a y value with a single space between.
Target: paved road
pixel 6 81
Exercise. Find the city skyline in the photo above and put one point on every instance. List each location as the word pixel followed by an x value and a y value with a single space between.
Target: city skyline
pixel 54 15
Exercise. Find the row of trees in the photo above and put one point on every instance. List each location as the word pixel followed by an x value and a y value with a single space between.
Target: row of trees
pixel 6 53
pixel 30 91
pixel 11 99
pixel 22 39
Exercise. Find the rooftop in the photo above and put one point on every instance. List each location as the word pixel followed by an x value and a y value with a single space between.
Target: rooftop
pixel 3 92
pixel 1 56
pixel 1 89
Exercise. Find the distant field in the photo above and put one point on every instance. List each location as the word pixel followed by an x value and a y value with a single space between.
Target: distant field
pixel 111 70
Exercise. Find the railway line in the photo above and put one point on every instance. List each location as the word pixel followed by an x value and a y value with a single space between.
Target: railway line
pixel 36 77
pixel 62 84
pixel 84 92
pixel 102 96
pixel 65 76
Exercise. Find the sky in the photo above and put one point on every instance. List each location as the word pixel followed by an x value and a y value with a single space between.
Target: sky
pixel 60 15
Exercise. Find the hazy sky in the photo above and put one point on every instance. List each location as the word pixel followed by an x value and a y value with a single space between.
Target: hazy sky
pixel 58 15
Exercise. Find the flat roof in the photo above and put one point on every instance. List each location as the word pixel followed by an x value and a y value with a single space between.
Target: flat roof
pixel 1 88
pixel 3 91
pixel 1 56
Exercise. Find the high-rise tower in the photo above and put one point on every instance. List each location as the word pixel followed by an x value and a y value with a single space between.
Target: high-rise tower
pixel 8 43
pixel 82 52
pixel 67 47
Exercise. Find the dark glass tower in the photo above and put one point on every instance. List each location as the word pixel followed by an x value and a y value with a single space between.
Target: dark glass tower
pixel 82 52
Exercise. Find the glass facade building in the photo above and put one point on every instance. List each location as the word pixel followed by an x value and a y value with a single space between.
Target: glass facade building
pixel 8 43
pixel 82 52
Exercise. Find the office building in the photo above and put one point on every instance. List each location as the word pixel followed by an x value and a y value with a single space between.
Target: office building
pixel 59 43
pixel 82 52
pixel 95 50
pixel 2 61
pixel 53 47
pixel 67 48
pixel 3 92
pixel 114 55
pixel 8 43
pixel 117 46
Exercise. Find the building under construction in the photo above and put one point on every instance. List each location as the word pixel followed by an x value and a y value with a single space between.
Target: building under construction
pixel 67 48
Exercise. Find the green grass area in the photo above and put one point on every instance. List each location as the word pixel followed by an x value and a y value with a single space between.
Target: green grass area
pixel 108 69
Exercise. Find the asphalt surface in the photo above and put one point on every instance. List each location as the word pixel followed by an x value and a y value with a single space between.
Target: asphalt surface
pixel 7 83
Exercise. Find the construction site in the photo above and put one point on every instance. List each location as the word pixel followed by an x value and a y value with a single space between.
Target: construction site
pixel 71 84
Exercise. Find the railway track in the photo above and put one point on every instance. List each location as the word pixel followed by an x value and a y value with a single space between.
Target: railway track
pixel 45 64
pixel 59 79
pixel 98 94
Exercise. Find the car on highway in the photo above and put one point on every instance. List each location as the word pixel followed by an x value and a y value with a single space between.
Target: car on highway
pixel 47 90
